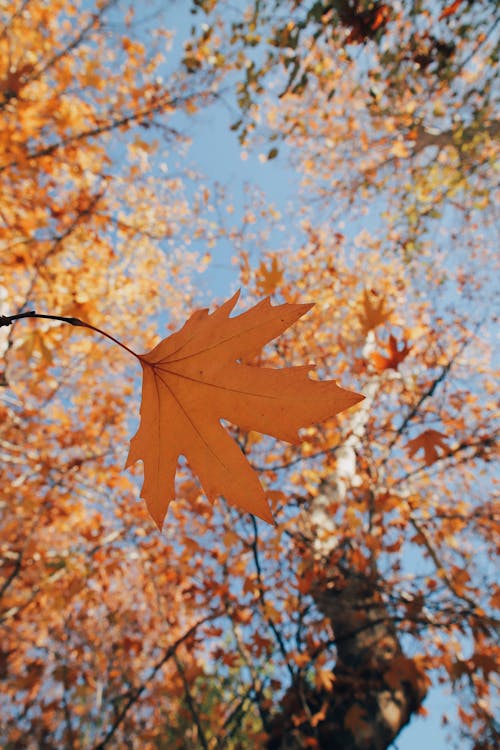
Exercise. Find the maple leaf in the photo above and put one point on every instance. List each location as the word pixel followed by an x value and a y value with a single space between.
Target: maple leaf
pixel 269 278
pixel 14 81
pixel 196 377
pixel 403 669
pixel 430 441
pixel 373 314
pixel 395 357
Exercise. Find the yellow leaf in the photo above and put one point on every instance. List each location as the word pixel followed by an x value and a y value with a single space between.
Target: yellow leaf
pixel 400 150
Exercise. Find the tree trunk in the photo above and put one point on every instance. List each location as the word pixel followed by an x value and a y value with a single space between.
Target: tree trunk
pixel 376 687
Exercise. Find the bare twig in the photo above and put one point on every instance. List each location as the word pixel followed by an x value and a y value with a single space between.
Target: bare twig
pixel 262 597
pixel 7 320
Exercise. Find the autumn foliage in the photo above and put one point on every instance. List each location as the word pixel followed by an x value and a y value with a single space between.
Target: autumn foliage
pixel 376 585
pixel 201 374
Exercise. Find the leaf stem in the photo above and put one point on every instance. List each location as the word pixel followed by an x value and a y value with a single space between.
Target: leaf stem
pixel 7 320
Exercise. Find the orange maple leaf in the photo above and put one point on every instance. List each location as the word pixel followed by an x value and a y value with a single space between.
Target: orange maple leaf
pixel 269 278
pixel 430 441
pixel 373 313
pixel 14 81
pixel 395 357
pixel 196 377
pixel 404 669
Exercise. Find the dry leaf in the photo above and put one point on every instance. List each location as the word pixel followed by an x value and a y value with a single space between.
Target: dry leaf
pixel 373 313
pixel 14 80
pixel 395 357
pixel 450 10
pixel 430 441
pixel 195 378
pixel 270 278
pixel 406 670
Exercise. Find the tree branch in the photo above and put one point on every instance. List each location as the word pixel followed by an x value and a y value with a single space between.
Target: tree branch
pixel 7 320
pixel 425 395
pixel 191 703
pixel 136 694
pixel 262 598
pixel 161 104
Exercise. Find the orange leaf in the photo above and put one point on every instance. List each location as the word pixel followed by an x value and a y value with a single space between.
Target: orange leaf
pixel 381 16
pixel 429 441
pixel 486 663
pixel 450 9
pixel 14 80
pixel 325 680
pixel 373 314
pixel 195 378
pixel 403 669
pixel 395 357
pixel 270 278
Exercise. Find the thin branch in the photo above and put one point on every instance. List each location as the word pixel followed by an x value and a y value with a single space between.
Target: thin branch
pixel 15 572
pixel 7 320
pixel 258 682
pixel 162 104
pixel 438 564
pixel 191 704
pixel 70 731
pixel 426 138
pixel 296 460
pixel 134 696
pixel 262 598
pixel 95 22
pixel 425 395
pixel 482 39
pixel 37 589
pixel 479 446
pixel 235 716
pixel 57 242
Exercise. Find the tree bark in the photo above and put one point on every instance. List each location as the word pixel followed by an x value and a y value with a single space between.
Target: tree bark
pixel 376 688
